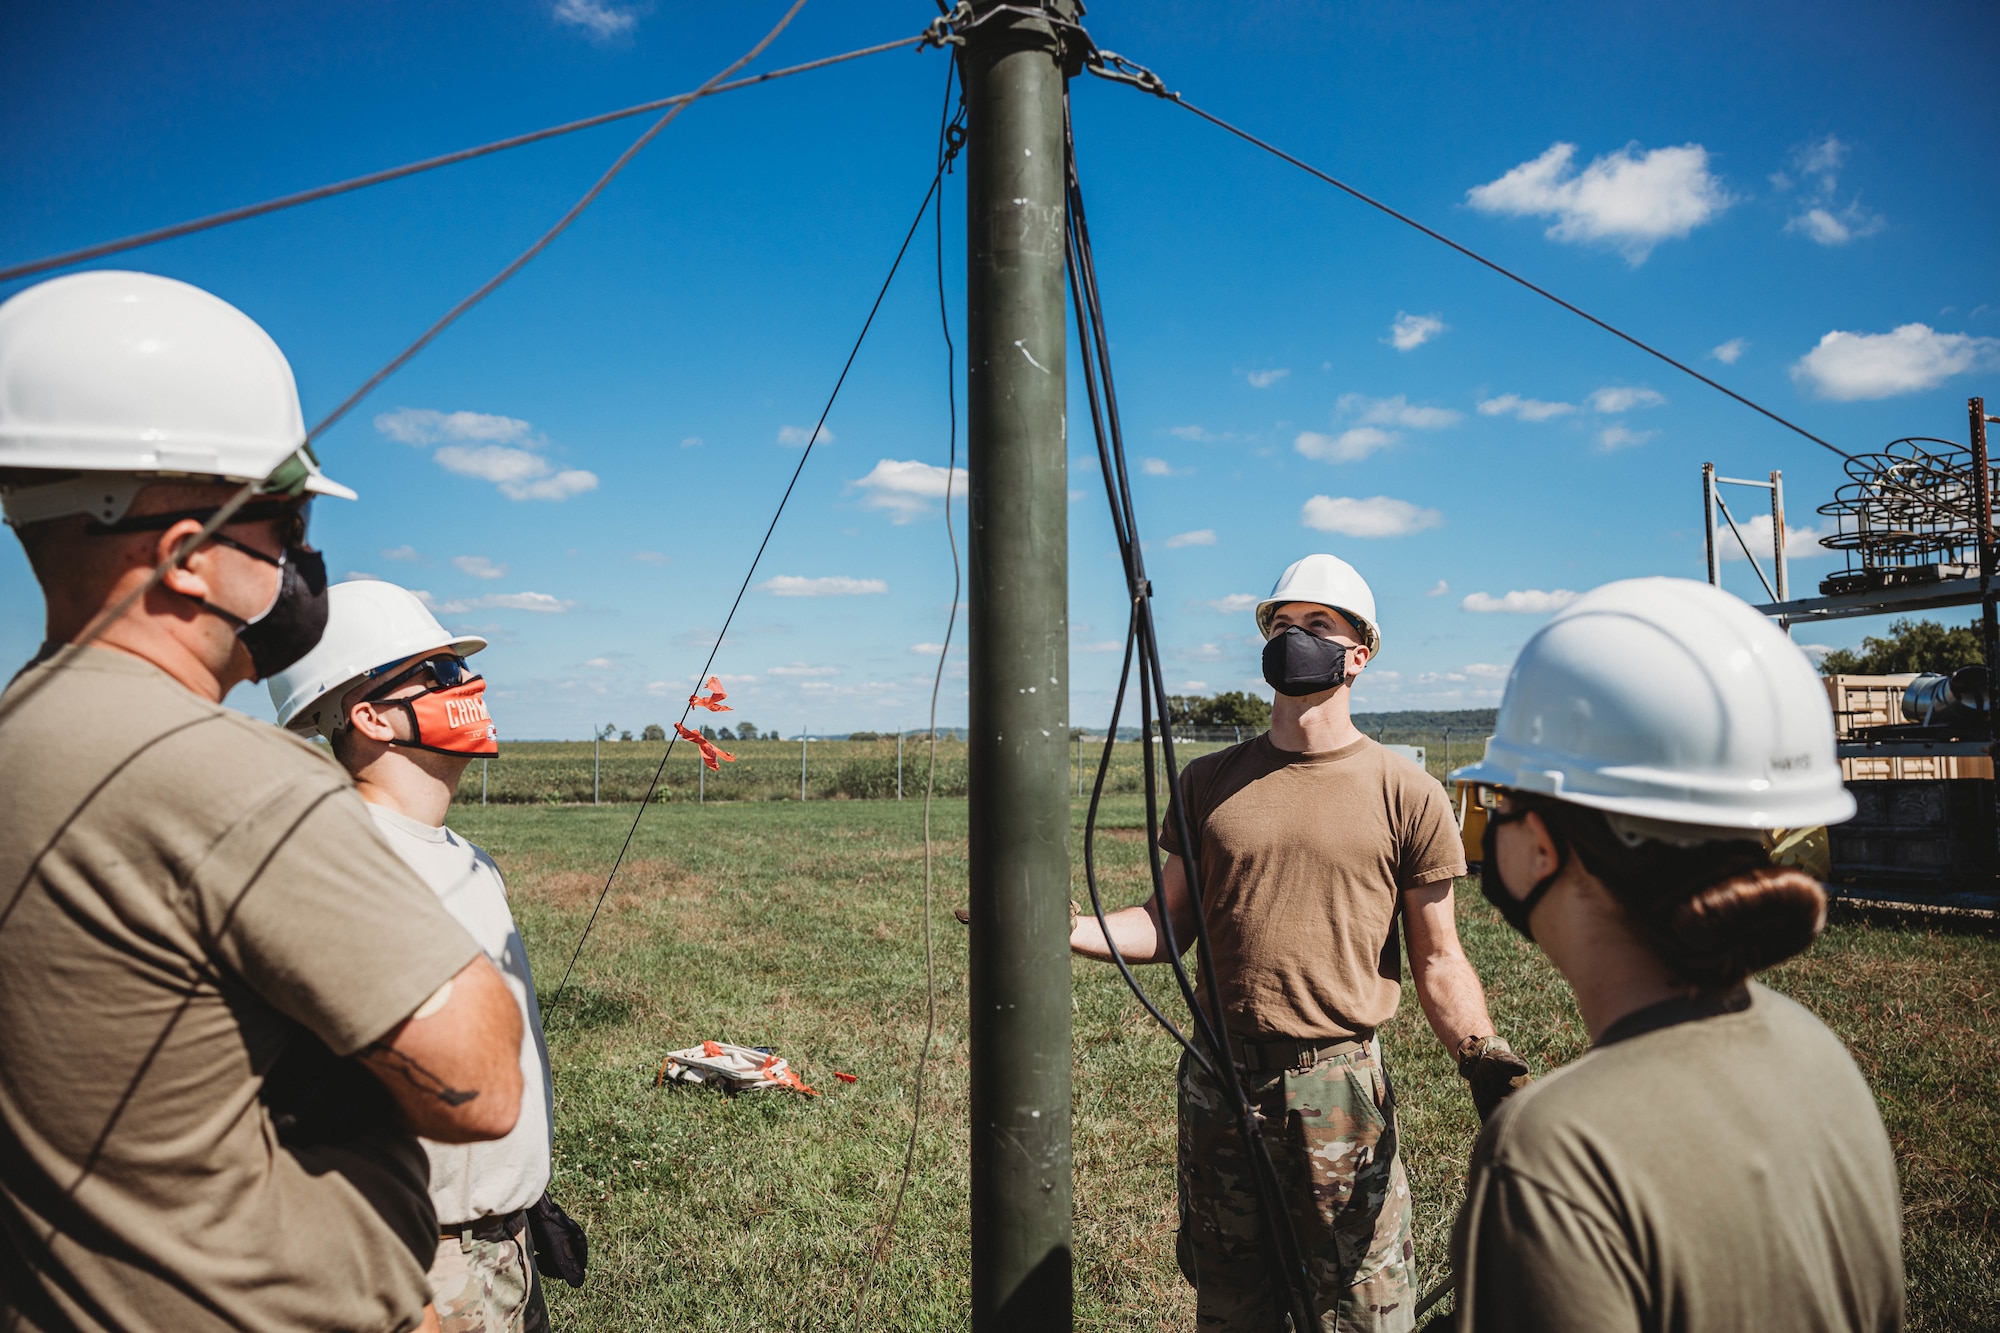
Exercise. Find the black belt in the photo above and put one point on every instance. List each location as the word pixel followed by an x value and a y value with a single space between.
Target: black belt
pixel 502 1227
pixel 1293 1052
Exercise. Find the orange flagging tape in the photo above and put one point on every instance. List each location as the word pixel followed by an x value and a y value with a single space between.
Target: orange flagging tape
pixel 713 703
pixel 709 754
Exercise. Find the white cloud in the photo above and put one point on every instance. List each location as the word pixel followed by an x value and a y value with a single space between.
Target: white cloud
pixel 1829 228
pixel 906 489
pixel 1264 379
pixel 1397 411
pixel 423 426
pixel 1199 537
pixel 1160 467
pixel 1410 332
pixel 1728 353
pixel 1194 685
pixel 691 442
pixel 1439 589
pixel 1235 603
pixel 401 553
pixel 652 557
pixel 802 670
pixel 479 567
pixel 1822 218
pixel 1613 438
pixel 927 649
pixel 1102 646
pixel 539 602
pixel 1195 433
pixel 1629 199
pixel 798 435
pixel 600 20
pixel 1350 446
pixel 1623 398
pixel 520 475
pixel 1522 601
pixel 831 585
pixel 1377 516
pixel 1527 409
pixel 1815 652
pixel 1485 671
pixel 1850 366
pixel 492 448
pixel 600 664
pixel 1207 652
pixel 1800 543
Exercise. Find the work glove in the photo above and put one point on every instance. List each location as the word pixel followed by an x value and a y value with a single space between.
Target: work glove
pixel 1495 1073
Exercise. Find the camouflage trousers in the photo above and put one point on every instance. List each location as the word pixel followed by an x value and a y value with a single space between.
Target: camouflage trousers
pixel 1330 1127
pixel 483 1279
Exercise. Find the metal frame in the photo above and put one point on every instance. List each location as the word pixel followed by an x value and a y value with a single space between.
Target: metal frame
pixel 1712 503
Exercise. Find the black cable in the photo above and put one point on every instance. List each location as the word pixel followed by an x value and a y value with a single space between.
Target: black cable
pixel 1286 1255
pixel 249 490
pixel 249 211
pixel 1118 70
pixel 751 572
pixel 950 140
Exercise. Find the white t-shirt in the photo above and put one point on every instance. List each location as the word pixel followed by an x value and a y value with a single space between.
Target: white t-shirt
pixel 474 1180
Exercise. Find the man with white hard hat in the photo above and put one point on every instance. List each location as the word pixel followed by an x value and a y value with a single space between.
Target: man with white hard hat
pixel 390 689
pixel 201 924
pixel 1716 1161
pixel 1313 841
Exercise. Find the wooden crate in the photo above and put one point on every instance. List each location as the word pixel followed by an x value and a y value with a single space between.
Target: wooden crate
pixel 1877 701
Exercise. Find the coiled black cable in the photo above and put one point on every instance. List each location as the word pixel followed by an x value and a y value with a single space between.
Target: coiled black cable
pixel 1142 640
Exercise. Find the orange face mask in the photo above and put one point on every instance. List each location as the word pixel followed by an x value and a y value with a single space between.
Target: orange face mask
pixel 448 718
pixel 451 721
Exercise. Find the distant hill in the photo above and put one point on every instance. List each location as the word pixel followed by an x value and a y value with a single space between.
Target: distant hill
pixel 1417 719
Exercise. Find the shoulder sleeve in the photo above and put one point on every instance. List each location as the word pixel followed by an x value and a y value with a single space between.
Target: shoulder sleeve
pixel 305 903
pixel 1530 1261
pixel 1432 849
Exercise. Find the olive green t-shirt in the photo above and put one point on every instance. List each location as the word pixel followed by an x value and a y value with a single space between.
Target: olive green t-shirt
pixel 186 896
pixel 1303 859
pixel 1711 1164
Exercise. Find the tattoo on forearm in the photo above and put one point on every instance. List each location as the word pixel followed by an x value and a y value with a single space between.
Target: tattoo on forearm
pixel 417 1076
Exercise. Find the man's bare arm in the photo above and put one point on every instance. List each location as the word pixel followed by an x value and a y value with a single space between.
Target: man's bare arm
pixel 454 1066
pixel 1447 987
pixel 1136 930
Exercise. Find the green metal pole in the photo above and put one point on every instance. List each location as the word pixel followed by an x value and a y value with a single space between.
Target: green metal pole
pixel 1017 620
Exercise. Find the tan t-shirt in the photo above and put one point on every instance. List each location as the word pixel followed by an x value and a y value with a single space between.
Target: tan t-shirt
pixel 1303 857
pixel 186 895
pixel 1709 1165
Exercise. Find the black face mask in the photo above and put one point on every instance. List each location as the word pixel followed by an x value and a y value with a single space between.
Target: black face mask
pixel 1298 662
pixel 290 627
pixel 1494 888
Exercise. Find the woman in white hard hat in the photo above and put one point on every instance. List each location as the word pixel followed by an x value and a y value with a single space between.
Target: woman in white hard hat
pixel 1716 1161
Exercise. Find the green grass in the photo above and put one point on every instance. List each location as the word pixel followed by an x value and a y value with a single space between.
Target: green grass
pixel 575 772
pixel 798 926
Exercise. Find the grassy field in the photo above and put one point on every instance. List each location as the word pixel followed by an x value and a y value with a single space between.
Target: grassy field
pixel 799 927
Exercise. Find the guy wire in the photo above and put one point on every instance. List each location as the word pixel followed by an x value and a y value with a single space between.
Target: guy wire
pixel 67 654
pixel 750 573
pixel 1286 1256
pixel 948 146
pixel 248 211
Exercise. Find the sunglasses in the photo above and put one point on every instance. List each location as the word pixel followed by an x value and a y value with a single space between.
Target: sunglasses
pixel 443 671
pixel 290 515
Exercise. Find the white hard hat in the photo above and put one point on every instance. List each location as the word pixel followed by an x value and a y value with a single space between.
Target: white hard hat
pixel 1328 581
pixel 369 625
pixel 128 377
pixel 1668 700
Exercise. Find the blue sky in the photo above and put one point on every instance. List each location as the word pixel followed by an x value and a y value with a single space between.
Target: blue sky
pixel 1792 197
